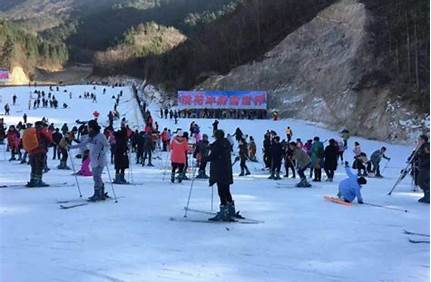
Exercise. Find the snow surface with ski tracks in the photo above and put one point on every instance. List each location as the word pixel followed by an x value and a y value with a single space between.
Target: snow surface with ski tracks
pixel 144 237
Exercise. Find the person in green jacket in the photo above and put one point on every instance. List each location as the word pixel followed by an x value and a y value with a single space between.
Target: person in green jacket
pixel 317 152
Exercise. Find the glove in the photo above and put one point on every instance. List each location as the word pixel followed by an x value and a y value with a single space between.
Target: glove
pixel 360 202
pixel 346 164
pixel 237 158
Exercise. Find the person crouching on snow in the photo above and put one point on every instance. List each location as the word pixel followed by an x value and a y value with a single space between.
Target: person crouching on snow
pixel 303 161
pixel 98 148
pixel 350 188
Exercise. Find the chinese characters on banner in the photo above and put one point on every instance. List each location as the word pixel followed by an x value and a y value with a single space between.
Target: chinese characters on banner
pixel 245 100
pixel 4 74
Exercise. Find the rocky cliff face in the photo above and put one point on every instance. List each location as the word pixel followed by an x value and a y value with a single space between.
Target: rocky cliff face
pixel 326 72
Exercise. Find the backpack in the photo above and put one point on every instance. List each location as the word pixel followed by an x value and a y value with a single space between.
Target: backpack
pixel 30 140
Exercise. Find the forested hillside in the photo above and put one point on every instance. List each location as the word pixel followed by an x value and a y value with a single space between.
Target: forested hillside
pixel 18 48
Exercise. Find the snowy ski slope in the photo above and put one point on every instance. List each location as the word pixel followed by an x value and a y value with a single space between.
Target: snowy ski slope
pixel 303 237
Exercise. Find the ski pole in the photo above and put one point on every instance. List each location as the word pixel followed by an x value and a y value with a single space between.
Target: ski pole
pixel 74 173
pixel 131 180
pixel 385 207
pixel 212 198
pixel 112 184
pixel 165 167
pixel 190 192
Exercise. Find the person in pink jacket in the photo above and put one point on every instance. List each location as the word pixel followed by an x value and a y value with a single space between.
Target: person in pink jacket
pixel 85 165
pixel 179 148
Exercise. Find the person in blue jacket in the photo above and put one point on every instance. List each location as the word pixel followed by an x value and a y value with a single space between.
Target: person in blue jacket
pixel 350 188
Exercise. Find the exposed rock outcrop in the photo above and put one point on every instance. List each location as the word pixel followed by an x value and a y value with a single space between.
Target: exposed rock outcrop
pixel 325 71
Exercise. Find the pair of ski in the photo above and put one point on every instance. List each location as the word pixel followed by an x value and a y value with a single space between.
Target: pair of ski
pixel 70 204
pixel 417 234
pixel 289 185
pixel 24 186
pixel 238 219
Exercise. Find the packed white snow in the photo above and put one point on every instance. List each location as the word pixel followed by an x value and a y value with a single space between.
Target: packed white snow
pixel 303 237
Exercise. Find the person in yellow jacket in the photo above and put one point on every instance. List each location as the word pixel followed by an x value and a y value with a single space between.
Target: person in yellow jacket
pixel 289 134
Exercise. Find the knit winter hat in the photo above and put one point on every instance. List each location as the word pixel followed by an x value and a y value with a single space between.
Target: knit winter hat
pixel 94 125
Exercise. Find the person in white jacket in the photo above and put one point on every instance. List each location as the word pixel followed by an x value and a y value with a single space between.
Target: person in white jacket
pixel 98 146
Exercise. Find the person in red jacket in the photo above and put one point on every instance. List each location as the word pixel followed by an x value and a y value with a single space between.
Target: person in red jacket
pixel 179 148
pixel 13 142
pixel 38 155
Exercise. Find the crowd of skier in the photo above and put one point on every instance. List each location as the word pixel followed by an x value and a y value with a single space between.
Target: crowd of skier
pixel 30 144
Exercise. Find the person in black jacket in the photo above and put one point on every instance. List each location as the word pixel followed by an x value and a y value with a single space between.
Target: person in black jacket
pixel 289 163
pixel 56 138
pixel 330 159
pixel 267 150
pixel 139 139
pixel 423 160
pixel 276 157
pixel 221 174
pixel 121 158
pixel 243 156
pixel 148 149
pixel 215 126
pixel 201 153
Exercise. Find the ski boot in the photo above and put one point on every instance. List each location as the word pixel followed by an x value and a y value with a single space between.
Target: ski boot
pixel 32 183
pixel 303 183
pixel 42 184
pixel 426 198
pixel 184 177
pixel 150 164
pixel 200 175
pixel 232 213
pixel 122 179
pixel 247 172
pixel 180 177
pixel 271 176
pixel 277 176
pixel 173 177
pixel 222 215
pixel 117 179
pixel 99 195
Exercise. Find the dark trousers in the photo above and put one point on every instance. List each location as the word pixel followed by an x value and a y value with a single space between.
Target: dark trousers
pixel 147 153
pixel 202 166
pixel 242 164
pixel 139 156
pixel 64 155
pixel 276 166
pixel 289 164
pixel 329 173
pixel 56 152
pixel 318 174
pixel 178 166
pixel 301 171
pixel 375 167
pixel 37 163
pixel 165 146
pixel 224 193
pixel 267 160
